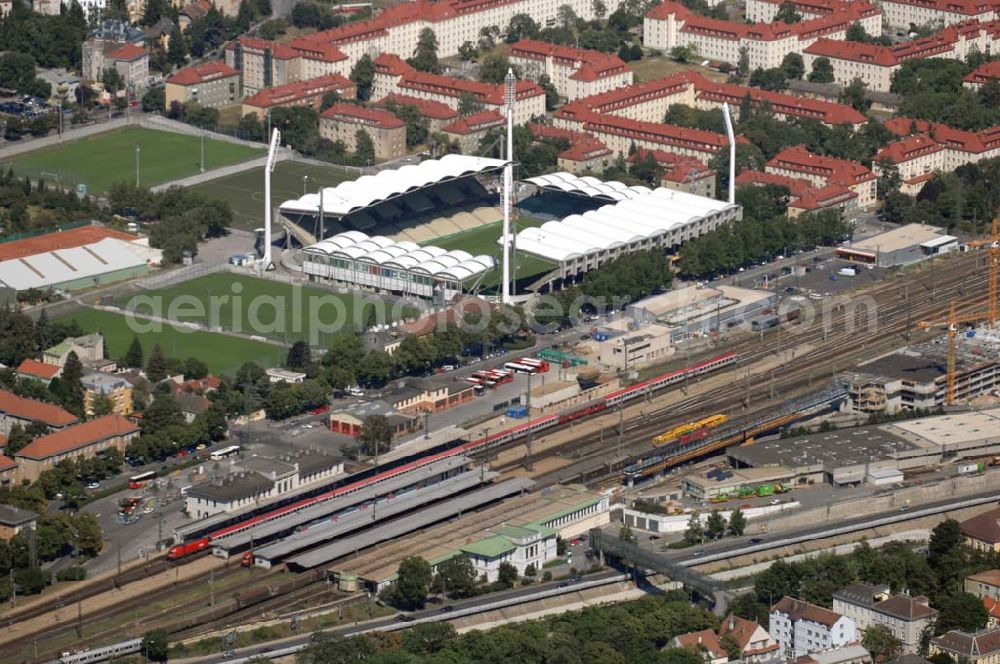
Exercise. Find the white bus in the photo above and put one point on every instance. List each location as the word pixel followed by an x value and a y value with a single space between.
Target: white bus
pixel 519 368
pixel 224 452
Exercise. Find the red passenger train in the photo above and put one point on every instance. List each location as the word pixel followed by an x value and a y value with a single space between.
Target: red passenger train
pixel 612 400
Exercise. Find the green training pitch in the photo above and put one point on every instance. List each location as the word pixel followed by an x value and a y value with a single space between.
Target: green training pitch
pixel 103 159
pixel 223 354
pixel 260 307
pixel 483 240
pixel 245 191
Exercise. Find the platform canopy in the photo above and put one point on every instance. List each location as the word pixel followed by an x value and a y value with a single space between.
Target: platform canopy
pixel 369 190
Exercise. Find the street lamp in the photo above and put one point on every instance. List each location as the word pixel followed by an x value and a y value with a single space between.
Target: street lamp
pixel 202 136
pixel 305 184
pixel 136 164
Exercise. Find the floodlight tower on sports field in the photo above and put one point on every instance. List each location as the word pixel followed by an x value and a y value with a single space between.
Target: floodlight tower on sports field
pixel 732 154
pixel 510 87
pixel 267 263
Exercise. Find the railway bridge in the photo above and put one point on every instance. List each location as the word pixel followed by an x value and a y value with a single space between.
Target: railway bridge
pixel 633 554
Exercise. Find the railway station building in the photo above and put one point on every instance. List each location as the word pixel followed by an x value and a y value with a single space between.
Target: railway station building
pixel 520 546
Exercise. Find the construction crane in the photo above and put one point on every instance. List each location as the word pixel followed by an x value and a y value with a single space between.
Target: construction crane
pixel 993 242
pixel 951 324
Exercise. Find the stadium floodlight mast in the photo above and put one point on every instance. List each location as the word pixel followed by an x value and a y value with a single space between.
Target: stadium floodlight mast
pixel 732 154
pixel 510 85
pixel 267 263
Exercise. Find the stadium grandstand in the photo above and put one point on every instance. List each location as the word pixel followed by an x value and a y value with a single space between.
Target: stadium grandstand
pixel 415 203
pixel 631 219
pixel 399 268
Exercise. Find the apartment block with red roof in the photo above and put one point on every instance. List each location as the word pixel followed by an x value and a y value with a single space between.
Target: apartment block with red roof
pixel 263 64
pixel 670 24
pixel 804 196
pixel 471 129
pixel 585 155
pixel 575 72
pixel 983 74
pixel 934 148
pixel 35 370
pixel 298 93
pixel 8 468
pixel 916 157
pixel 436 113
pixel 394 76
pixel 20 410
pixel 80 441
pixel 798 162
pixel 680 173
pixel 342 122
pixel 132 63
pixel 765 11
pixel 212 84
pixel 903 14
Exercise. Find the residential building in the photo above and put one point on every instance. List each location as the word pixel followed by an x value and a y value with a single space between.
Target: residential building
pixel 983 74
pixel 79 441
pixel 88 348
pixel 468 131
pixel 671 24
pixel 35 370
pixel 132 63
pixel 982 532
pixel 521 546
pixel 870 605
pixel 418 395
pixel 263 64
pixel 756 644
pixel 585 154
pixel 13 520
pixel 984 584
pixel 342 122
pixel 350 419
pixel 436 113
pixel 298 93
pixel 880 101
pixel 992 607
pixel 680 173
pixel 256 479
pixel 765 11
pixel 158 34
pixel 798 162
pixel 46 7
pixel 575 72
pixel 907 14
pixel 803 194
pixel 8 468
pixel 394 76
pixel 704 643
pixel 192 405
pixel 927 148
pixel 279 375
pixel 192 11
pixel 116 388
pixel 108 37
pixel 213 84
pixel 917 158
pixel 801 628
pixel 850 654
pixel 20 410
pixel 982 647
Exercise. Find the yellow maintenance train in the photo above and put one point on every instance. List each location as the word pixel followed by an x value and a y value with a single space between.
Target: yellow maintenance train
pixel 684 429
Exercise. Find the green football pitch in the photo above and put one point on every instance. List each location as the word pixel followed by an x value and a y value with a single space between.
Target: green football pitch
pixel 245 191
pixel 223 354
pixel 99 161
pixel 483 240
pixel 259 307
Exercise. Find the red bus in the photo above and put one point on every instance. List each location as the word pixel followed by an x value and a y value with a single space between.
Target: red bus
pixel 541 366
pixel 138 481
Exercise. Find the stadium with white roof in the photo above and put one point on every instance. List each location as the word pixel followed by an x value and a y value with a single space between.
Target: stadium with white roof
pixel 637 218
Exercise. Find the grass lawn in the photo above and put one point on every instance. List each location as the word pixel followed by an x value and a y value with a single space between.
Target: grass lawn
pixel 483 240
pixel 659 66
pixel 222 354
pixel 102 159
pixel 245 191
pixel 254 306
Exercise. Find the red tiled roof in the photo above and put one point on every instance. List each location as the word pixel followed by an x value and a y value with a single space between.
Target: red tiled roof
pixel 968 7
pixel 706 639
pixel 984 73
pixel 990 577
pixel 196 9
pixel 197 74
pixel 991 605
pixel 591 65
pixel 817 198
pixel 982 644
pixel 742 630
pixel 29 409
pixel 665 134
pixel 902 126
pixel 476 122
pixel 389 63
pixel 279 50
pixel 383 119
pixel 967 141
pixel 6 463
pixel 796 186
pixel 30 367
pixel 75 437
pixel 853 51
pixel 984 527
pixel 74 237
pixel 585 150
pixel 128 52
pixel 911 147
pixel 796 609
pixel 679 168
pixel 206 384
pixel 785 104
pixel 434 110
pixel 837 171
pixel 298 90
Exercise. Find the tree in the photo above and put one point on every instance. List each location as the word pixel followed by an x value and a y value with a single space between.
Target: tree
pixel 177 47
pixel 298 356
pixel 565 16
pixel 856 33
pixel 822 71
pixel 364 148
pixel 494 69
pixel 625 534
pixel 961 611
pixel 731 646
pixel 551 94
pixel 715 526
pixel 507 574
pixel 468 104
pixel 889 179
pixel 694 533
pixel 155 646
pixel 101 405
pixel 425 55
pixel 881 643
pixel 156 365
pixel 468 51
pixel 793 66
pixel 428 638
pixel 854 95
pixel 787 13
pixel 413 581
pixel 456 577
pixel 599 8
pixel 363 76
pixel 521 26
pixel 737 523
pixel 376 435
pixel 743 65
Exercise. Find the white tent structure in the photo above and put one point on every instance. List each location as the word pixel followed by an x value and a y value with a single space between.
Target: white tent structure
pixel 640 219
pixel 105 261
pixel 401 268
